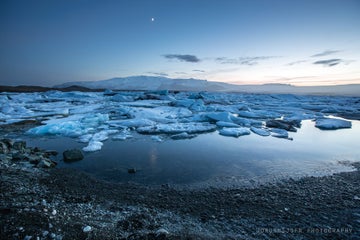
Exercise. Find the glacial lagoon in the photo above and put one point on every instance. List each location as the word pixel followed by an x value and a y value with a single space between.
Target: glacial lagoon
pixel 124 131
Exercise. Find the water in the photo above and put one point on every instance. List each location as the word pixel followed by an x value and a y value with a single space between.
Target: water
pixel 214 160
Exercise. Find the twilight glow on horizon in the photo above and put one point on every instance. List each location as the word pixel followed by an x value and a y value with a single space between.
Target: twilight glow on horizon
pixel 308 42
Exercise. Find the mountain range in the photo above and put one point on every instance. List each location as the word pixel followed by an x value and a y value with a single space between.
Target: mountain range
pixel 162 83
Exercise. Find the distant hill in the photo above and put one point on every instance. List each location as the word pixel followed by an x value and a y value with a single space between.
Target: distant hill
pixel 24 88
pixel 153 83
pixel 163 83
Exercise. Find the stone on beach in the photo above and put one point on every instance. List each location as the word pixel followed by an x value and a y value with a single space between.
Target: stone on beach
pixel 72 155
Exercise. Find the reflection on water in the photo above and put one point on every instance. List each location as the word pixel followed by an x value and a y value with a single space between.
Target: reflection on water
pixel 215 159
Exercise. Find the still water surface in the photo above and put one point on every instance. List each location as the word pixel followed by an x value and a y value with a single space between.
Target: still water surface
pixel 216 160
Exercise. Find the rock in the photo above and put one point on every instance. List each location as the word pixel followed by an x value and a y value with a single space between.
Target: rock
pixel 161 232
pixel 132 170
pixel 87 229
pixel 72 155
pixel 46 163
pixel 5 158
pixel 51 153
pixel 3 148
pixel 282 124
pixel 19 146
pixel 9 143
pixel 17 156
pixel 34 159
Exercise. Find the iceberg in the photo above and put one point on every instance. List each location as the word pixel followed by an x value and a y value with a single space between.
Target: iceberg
pixel 123 135
pixel 174 128
pixel 226 124
pixel 260 131
pixel 183 135
pixel 331 123
pixel 234 132
pixel 156 138
pixel 93 146
pixel 72 127
pixel 220 116
pixel 279 133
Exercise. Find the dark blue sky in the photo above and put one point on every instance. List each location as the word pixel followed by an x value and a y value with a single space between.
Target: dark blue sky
pixel 46 42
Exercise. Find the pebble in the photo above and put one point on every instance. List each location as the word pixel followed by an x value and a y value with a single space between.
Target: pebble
pixel 87 229
pixel 27 237
pixel 162 231
pixel 53 212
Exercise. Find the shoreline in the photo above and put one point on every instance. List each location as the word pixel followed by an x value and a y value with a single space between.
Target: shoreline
pixel 60 203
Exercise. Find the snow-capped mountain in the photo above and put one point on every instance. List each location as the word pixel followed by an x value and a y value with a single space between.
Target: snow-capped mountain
pixel 153 83
pixel 163 83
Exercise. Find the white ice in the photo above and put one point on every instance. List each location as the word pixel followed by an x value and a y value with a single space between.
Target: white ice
pixel 332 123
pixel 234 132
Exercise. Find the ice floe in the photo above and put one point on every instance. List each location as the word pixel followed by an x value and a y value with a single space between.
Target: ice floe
pixel 234 132
pixel 332 123
pixel 93 118
pixel 260 131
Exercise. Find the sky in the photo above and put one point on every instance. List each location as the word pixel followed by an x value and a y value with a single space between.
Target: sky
pixel 299 42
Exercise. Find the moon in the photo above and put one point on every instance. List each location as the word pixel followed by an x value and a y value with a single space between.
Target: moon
pixel 152 19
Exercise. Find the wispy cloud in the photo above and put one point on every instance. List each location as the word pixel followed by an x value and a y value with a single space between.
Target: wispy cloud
pixel 325 53
pixel 329 62
pixel 296 62
pixel 248 61
pixel 183 57
pixel 198 70
pixel 162 74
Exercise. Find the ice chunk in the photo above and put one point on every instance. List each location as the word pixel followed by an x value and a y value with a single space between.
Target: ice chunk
pixel 220 116
pixel 279 133
pixel 260 131
pixel 135 123
pixel 184 103
pixel 122 98
pixel 332 123
pixel 226 124
pixel 85 138
pixel 183 135
pixel 93 146
pixel 234 132
pixel 123 135
pixel 174 128
pixel 156 138
pixel 72 127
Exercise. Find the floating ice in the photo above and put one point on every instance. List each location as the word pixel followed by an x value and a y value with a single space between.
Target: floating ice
pixel 226 124
pixel 234 132
pixel 93 146
pixel 332 123
pixel 142 122
pixel 220 116
pixel 279 133
pixel 71 128
pixel 183 135
pixel 260 131
pixel 123 135
pixel 156 138
pixel 174 128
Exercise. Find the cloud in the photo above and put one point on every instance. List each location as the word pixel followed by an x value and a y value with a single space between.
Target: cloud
pixel 197 70
pixel 248 61
pixel 329 62
pixel 296 62
pixel 158 74
pixel 183 57
pixel 325 53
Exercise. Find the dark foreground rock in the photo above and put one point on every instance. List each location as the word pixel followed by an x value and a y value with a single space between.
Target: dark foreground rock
pixel 73 155
pixel 67 204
